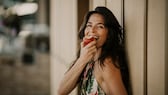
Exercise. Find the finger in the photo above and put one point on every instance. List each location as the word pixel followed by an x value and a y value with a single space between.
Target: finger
pixel 92 50
pixel 92 43
pixel 82 44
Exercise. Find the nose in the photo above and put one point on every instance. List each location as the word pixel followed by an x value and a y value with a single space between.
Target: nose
pixel 92 30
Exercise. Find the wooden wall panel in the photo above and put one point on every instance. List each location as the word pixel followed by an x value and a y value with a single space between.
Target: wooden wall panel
pixel 116 6
pixel 63 37
pixel 94 3
pixel 134 18
pixel 156 47
pixel 166 57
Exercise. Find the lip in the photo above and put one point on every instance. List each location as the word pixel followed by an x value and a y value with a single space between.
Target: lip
pixel 94 36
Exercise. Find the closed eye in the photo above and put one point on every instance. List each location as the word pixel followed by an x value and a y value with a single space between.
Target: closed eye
pixel 88 25
pixel 100 26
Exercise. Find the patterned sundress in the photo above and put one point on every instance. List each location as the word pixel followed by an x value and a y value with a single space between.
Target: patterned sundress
pixel 88 83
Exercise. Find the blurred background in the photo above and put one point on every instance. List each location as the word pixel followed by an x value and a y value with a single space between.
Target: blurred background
pixel 38 42
pixel 24 47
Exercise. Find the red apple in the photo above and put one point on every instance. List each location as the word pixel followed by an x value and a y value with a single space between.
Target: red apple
pixel 88 40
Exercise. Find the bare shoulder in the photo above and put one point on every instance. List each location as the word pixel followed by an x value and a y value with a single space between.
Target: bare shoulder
pixel 110 72
pixel 110 67
pixel 112 79
pixel 109 78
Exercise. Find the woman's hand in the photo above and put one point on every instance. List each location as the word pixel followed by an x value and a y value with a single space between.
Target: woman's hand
pixel 88 51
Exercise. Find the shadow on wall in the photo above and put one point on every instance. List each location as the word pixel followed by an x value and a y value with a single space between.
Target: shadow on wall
pixel 166 42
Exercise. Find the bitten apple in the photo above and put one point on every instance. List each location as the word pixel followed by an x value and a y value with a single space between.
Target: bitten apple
pixel 88 40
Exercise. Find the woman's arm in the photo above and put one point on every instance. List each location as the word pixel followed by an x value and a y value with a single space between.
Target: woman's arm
pixel 71 77
pixel 112 80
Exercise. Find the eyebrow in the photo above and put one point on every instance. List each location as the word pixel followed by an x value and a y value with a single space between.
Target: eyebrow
pixel 97 23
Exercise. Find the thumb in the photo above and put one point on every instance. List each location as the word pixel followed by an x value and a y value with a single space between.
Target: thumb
pixel 82 44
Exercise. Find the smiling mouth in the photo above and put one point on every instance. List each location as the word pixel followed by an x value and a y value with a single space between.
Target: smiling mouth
pixel 96 37
pixel 90 36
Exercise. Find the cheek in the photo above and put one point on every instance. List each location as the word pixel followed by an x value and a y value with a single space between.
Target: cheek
pixel 85 32
pixel 102 41
pixel 105 35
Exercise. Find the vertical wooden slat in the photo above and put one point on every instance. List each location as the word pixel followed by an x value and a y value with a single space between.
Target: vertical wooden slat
pixel 134 16
pixel 63 37
pixel 95 3
pixel 116 7
pixel 166 56
pixel 156 47
pixel 145 46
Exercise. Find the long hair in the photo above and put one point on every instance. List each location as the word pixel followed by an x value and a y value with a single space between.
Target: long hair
pixel 114 46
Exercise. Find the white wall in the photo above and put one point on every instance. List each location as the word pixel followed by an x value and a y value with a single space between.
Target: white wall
pixel 63 36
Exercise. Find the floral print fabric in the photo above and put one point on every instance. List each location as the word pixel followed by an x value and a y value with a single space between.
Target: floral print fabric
pixel 89 85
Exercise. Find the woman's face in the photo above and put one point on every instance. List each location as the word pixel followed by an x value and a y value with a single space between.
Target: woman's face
pixel 95 27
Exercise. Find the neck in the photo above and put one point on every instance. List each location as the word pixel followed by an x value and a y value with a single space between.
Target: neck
pixel 97 54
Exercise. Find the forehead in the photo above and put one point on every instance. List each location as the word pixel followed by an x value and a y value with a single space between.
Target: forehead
pixel 96 18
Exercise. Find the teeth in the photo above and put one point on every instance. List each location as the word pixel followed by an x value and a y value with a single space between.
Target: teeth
pixel 90 36
pixel 96 37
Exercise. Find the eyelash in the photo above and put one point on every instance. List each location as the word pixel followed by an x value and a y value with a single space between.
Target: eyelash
pixel 99 26
pixel 88 25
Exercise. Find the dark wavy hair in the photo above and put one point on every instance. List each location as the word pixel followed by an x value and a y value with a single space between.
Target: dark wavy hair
pixel 114 46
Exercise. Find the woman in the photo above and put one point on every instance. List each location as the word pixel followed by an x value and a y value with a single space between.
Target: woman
pixel 100 68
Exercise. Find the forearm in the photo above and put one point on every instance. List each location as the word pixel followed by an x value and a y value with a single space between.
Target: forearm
pixel 71 78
